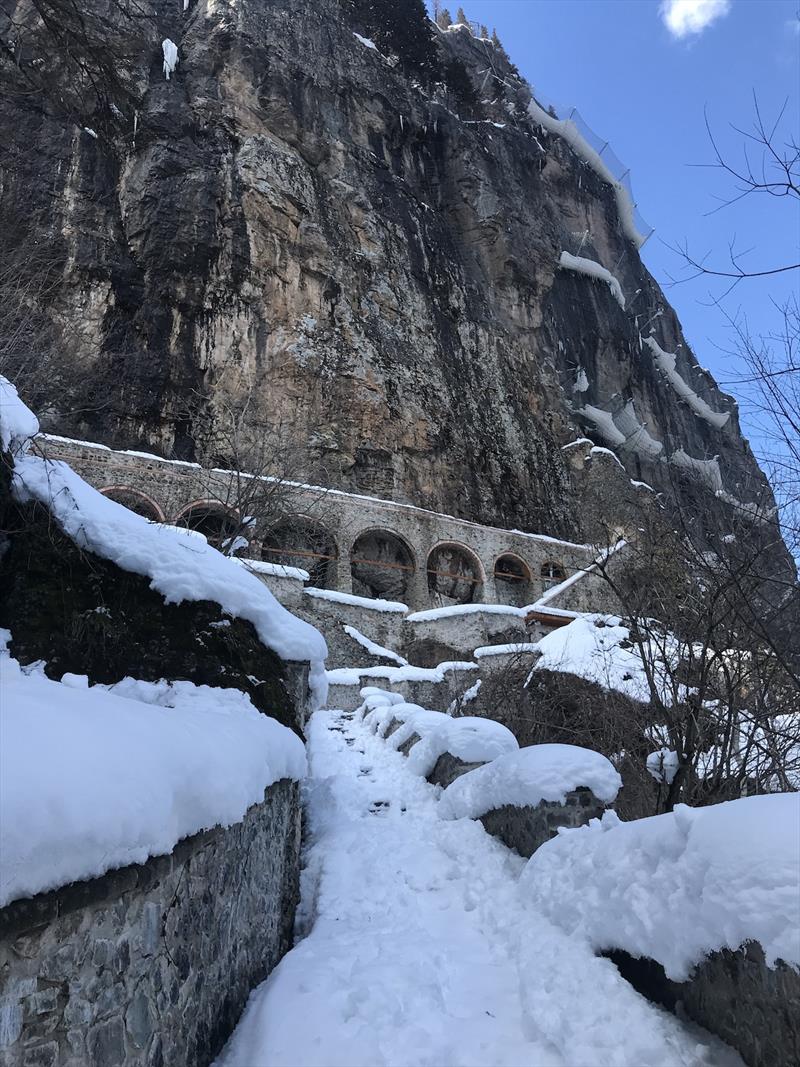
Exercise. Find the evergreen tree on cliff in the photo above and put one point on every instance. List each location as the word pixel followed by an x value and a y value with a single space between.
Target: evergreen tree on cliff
pixel 401 28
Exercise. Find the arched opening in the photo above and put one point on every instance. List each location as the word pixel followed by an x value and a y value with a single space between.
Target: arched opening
pixel 512 579
pixel 300 542
pixel 454 575
pixel 552 572
pixel 381 565
pixel 134 500
pixel 217 523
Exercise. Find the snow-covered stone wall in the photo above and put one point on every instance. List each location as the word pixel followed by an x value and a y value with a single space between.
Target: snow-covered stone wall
pixel 152 963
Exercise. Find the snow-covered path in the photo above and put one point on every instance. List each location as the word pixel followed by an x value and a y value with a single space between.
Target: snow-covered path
pixel 421 950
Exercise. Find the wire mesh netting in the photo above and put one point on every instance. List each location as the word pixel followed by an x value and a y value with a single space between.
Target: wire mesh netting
pixel 610 160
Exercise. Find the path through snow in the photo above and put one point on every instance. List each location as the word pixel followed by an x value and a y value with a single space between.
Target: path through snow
pixel 420 951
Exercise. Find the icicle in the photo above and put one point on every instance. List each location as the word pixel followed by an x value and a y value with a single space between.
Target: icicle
pixel 170 50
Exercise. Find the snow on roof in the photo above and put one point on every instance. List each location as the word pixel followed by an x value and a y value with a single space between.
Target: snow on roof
pixel 275 570
pixel 97 777
pixel 676 887
pixel 527 777
pixel 454 610
pixel 505 650
pixel 590 647
pixel 18 424
pixel 180 568
pixel 594 270
pixel 410 673
pixel 666 362
pixel 468 738
pixel 375 604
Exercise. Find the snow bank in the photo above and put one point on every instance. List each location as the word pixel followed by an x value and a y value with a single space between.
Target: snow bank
pixel 373 648
pixel 528 776
pixel 590 647
pixel 409 673
pixel 357 601
pixel 678 886
pixel 18 424
pixel 180 568
pixel 666 363
pixel 593 270
pixel 468 738
pixel 97 778
pixel 569 131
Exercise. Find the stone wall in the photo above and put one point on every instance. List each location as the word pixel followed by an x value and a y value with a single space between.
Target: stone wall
pixel 527 827
pixel 151 964
pixel 752 1007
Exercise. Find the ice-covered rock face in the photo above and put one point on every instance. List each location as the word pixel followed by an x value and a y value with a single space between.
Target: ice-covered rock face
pixel 290 218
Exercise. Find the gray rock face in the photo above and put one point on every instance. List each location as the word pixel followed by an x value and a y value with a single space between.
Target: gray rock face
pixel 290 221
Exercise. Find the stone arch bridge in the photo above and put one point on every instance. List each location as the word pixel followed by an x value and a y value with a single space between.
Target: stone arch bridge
pixel 353 544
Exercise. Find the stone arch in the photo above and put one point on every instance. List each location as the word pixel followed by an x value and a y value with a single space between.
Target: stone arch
pixel 381 565
pixel 512 580
pixel 210 518
pixel 300 541
pixel 134 500
pixel 455 574
pixel 552 572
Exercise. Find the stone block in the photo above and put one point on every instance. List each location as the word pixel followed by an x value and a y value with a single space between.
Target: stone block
pixel 527 827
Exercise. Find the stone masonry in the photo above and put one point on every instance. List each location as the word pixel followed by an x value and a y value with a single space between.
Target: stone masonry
pixel 527 827
pixel 151 965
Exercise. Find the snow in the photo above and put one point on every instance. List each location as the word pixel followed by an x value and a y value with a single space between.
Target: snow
pixel 675 887
pixel 90 131
pixel 170 51
pixel 468 738
pixel 637 436
pixel 373 648
pixel 593 270
pixel 663 765
pixel 569 131
pixel 504 650
pixel 366 42
pixel 555 591
pixel 578 441
pixel 180 568
pixel 641 485
pixel 604 422
pixel 597 450
pixel 590 647
pixel 706 470
pixel 417 949
pixel 455 610
pixel 18 424
pixel 466 697
pixel 581 383
pixel 666 363
pixel 182 531
pixel 94 778
pixel 527 777
pixel 357 601
pixel 409 673
pixel 274 570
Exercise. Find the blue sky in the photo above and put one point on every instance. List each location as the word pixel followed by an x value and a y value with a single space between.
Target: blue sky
pixel 644 87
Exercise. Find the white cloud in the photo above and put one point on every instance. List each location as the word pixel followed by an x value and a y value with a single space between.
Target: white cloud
pixel 685 18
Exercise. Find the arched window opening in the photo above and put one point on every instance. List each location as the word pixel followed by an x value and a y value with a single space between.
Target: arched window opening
pixel 552 573
pixel 216 523
pixel 512 580
pixel 134 500
pixel 381 566
pixel 300 542
pixel 454 575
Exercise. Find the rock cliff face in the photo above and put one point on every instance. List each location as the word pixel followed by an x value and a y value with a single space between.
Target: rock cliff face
pixel 293 227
